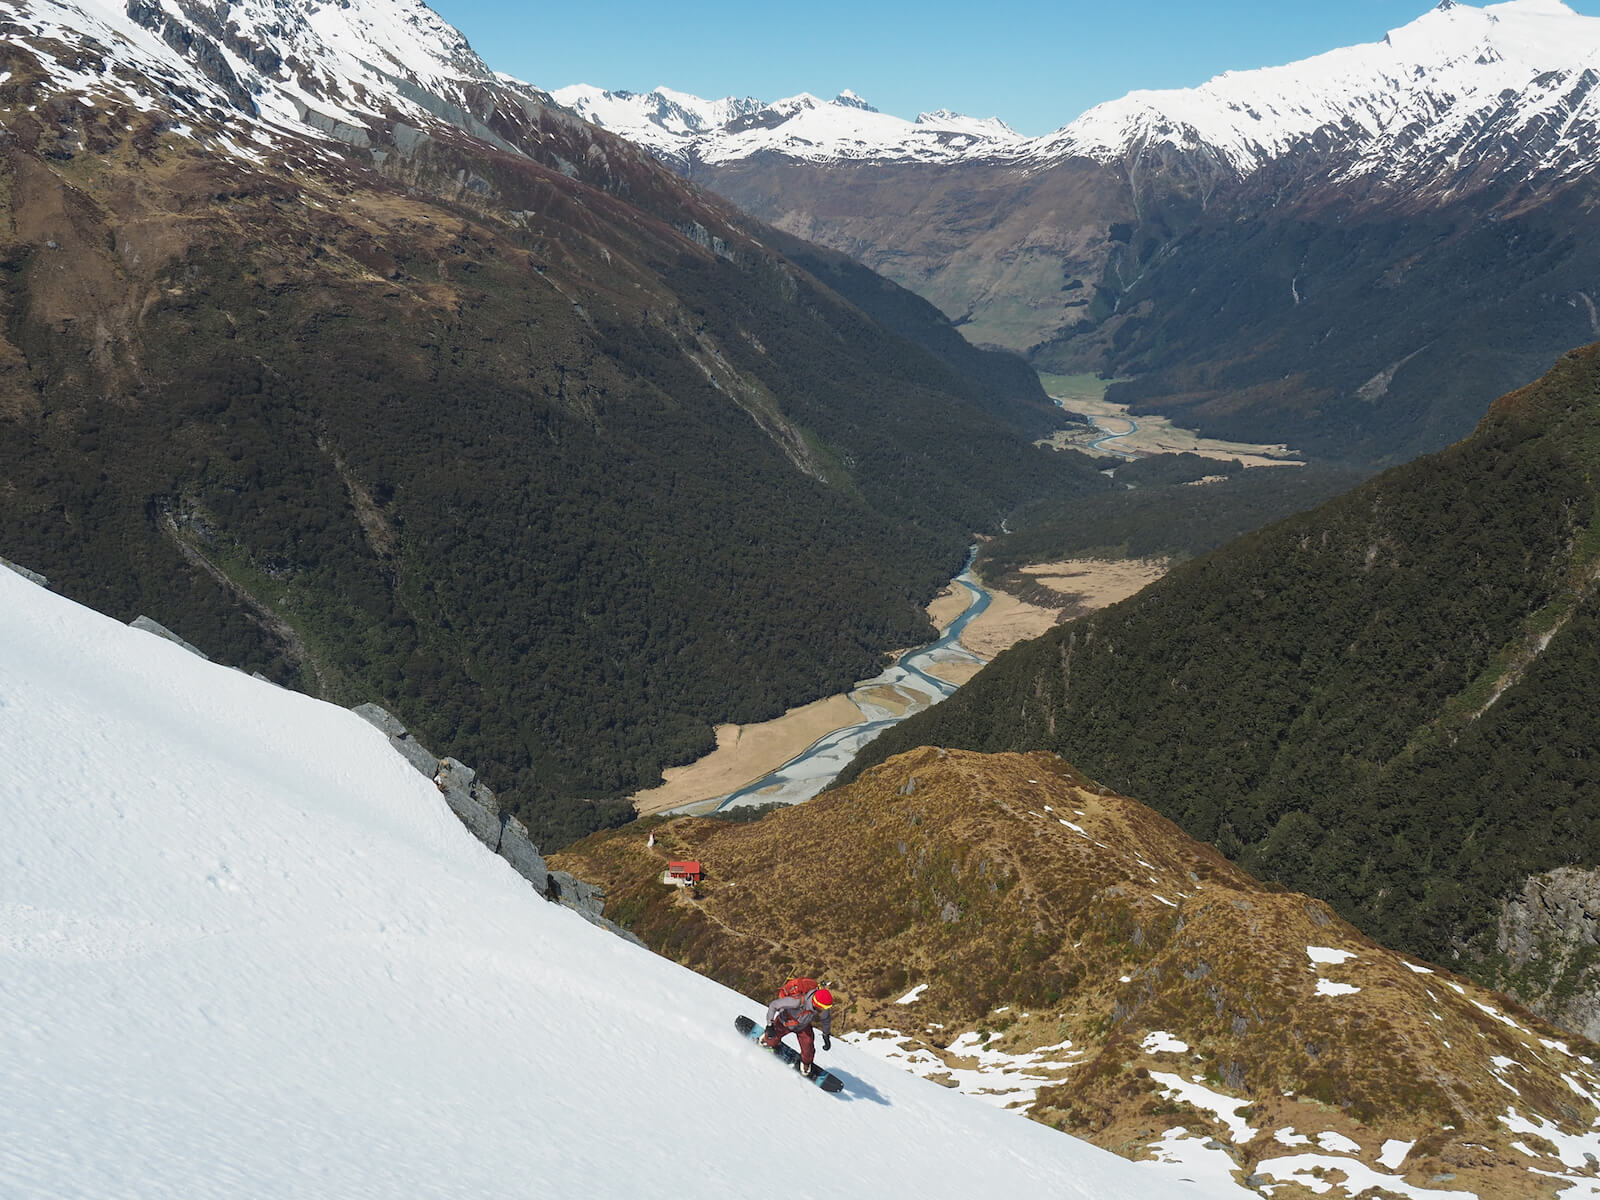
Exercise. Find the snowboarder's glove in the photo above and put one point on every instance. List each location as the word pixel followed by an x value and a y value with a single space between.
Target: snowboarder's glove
pixel 770 1033
pixel 806 1069
pixel 827 1042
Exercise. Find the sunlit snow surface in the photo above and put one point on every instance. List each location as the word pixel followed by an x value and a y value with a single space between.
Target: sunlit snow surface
pixel 245 951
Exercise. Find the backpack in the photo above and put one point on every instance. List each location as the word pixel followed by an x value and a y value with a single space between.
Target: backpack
pixel 797 987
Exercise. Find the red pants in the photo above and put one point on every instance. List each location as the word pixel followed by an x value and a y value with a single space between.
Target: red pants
pixel 805 1037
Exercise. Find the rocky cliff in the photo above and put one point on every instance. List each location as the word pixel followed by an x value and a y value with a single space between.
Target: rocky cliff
pixel 1549 935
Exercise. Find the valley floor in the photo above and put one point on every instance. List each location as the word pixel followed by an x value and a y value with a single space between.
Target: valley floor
pixel 746 753
pixel 1084 585
pixel 1119 435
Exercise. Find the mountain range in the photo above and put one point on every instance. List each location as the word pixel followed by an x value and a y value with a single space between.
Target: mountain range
pixel 1353 254
pixel 362 367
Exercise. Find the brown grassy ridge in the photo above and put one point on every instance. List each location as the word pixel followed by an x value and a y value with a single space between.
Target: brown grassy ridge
pixel 958 870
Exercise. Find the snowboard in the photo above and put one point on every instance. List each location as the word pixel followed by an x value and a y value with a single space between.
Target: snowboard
pixel 825 1080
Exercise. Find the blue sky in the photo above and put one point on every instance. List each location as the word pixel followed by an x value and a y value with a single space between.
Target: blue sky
pixel 1033 63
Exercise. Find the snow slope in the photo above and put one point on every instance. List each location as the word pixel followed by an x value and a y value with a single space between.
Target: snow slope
pixel 245 950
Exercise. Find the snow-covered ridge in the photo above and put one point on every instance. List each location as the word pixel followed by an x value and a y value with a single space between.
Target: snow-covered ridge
pixel 257 69
pixel 1439 90
pixel 1507 86
pixel 246 950
pixel 681 128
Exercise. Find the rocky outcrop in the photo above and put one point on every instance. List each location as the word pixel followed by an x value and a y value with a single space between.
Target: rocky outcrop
pixel 161 631
pixel 1549 935
pixel 30 576
pixel 477 807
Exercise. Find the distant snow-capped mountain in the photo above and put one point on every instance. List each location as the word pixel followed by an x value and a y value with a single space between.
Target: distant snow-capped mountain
pixel 1458 91
pixel 682 129
pixel 1455 92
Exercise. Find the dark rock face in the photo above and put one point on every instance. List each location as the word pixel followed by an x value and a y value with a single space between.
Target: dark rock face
pixel 402 741
pixel 575 893
pixel 205 53
pixel 477 808
pixel 161 631
pixel 1549 933
pixel 30 576
pixel 517 848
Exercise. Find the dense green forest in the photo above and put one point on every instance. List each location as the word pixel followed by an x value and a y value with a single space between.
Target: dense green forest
pixel 1385 702
pixel 1402 327
pixel 555 481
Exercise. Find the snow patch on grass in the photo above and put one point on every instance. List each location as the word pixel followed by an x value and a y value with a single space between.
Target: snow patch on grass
pixel 1327 987
pixel 1394 1153
pixel 1224 1108
pixel 1327 955
pixel 1185 1158
pixel 1575 1150
pixel 1331 1139
pixel 1498 1016
pixel 1160 1042
pixel 913 995
pixel 1307 1169
pixel 1001 1079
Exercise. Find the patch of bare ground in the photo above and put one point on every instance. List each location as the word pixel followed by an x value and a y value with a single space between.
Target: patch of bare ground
pixel 1027 904
pixel 955 672
pixel 745 753
pixel 1148 433
pixel 1040 596
pixel 948 605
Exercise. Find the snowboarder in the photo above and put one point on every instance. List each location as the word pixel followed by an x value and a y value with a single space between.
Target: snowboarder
pixel 800 1005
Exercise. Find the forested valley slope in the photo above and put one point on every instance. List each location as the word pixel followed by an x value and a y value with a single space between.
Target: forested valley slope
pixel 1385 702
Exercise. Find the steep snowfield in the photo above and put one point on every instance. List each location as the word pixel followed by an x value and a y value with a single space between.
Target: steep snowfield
pixel 246 951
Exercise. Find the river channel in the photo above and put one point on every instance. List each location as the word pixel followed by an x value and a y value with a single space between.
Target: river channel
pixel 907 687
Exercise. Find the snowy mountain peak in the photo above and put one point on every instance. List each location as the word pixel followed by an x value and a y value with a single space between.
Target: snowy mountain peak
pixel 1508 88
pixel 993 127
pixel 245 74
pixel 802 126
